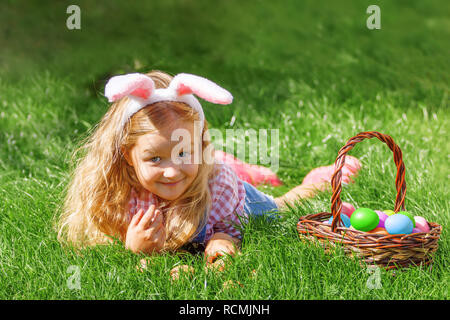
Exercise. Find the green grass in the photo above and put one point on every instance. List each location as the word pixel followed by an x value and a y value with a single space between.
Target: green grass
pixel 308 68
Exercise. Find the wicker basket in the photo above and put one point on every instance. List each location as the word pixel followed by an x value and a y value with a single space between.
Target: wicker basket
pixel 389 251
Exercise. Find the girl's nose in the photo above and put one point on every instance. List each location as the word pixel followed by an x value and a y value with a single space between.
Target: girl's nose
pixel 171 172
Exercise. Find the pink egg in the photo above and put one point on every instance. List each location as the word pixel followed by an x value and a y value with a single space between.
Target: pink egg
pixel 415 230
pixel 422 224
pixel 347 209
pixel 383 216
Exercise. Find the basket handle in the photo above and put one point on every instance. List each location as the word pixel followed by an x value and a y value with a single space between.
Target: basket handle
pixel 400 184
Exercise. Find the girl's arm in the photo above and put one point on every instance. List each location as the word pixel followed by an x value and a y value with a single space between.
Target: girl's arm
pixel 221 243
pixel 300 192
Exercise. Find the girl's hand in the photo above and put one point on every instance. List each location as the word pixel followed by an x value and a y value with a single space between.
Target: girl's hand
pixel 146 232
pixel 220 244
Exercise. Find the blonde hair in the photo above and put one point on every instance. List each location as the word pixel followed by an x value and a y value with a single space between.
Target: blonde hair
pixel 96 203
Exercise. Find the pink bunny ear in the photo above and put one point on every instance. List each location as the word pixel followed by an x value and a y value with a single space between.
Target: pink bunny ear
pixel 185 83
pixel 135 84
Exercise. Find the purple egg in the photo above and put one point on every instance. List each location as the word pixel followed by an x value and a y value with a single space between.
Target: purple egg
pixel 383 216
pixel 415 230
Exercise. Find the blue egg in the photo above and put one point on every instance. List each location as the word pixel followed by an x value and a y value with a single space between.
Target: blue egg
pixel 397 224
pixel 345 219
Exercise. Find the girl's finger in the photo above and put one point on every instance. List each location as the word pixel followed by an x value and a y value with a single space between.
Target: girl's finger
pixel 148 216
pixel 156 223
pixel 137 217
pixel 156 234
pixel 161 234
pixel 212 257
pixel 158 218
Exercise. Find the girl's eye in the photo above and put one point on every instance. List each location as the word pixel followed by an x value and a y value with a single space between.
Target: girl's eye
pixel 155 159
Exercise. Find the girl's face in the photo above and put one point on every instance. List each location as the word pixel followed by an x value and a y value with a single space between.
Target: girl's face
pixel 165 167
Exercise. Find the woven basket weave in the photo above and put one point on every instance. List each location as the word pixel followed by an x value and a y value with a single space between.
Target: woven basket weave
pixel 388 251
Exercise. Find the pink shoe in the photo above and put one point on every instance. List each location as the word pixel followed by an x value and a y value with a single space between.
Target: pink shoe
pixel 250 173
pixel 324 174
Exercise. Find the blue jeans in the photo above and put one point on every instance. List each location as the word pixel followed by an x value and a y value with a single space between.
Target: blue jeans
pixel 257 204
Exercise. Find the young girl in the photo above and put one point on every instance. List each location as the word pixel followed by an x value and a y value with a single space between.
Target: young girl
pixel 135 182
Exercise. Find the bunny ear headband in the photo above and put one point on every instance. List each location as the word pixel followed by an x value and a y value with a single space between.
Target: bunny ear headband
pixel 141 91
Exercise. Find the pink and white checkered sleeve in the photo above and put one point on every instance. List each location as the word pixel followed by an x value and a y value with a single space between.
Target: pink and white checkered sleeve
pixel 143 202
pixel 132 204
pixel 228 198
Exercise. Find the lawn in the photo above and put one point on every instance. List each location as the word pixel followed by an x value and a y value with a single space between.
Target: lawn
pixel 311 69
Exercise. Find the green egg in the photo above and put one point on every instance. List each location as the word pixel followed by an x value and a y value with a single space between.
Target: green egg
pixel 364 219
pixel 410 216
pixel 389 212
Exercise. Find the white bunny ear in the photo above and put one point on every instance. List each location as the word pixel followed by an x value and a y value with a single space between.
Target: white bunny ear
pixel 185 83
pixel 135 84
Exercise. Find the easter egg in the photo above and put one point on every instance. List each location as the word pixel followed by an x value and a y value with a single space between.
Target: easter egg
pixel 398 224
pixel 379 230
pixel 409 215
pixel 421 224
pixel 347 209
pixel 383 216
pixel 364 219
pixel 389 212
pixel 345 219
pixel 415 230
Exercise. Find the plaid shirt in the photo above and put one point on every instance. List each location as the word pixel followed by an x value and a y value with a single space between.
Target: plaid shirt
pixel 227 197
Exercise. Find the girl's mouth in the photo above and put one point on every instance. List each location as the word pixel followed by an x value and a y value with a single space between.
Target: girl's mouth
pixel 171 184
